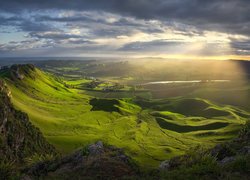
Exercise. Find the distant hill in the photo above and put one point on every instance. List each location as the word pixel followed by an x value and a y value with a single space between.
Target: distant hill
pixel 158 69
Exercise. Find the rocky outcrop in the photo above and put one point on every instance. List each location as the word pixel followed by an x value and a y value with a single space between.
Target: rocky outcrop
pixel 165 165
pixel 96 161
pixel 20 71
pixel 96 149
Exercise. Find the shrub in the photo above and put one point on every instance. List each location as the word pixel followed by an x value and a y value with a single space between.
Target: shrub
pixel 197 164
pixel 245 131
pixel 7 170
pixel 240 164
pixel 36 158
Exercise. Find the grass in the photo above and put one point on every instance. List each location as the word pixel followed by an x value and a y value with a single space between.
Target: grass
pixel 72 118
pixel 200 163
pixel 185 128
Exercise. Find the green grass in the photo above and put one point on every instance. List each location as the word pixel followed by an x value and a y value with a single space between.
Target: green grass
pixel 71 118
pixel 185 128
pixel 77 83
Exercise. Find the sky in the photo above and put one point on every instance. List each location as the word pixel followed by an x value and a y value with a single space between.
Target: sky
pixel 190 29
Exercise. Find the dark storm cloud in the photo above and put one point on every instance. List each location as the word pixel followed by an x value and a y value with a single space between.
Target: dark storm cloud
pixel 207 14
pixel 18 45
pixel 145 26
pixel 101 26
pixel 61 38
pixel 75 18
pixel 24 24
pixel 241 47
pixel 6 21
pixel 80 41
pixel 36 46
pixel 54 35
pixel 30 26
pixel 51 23
pixel 46 50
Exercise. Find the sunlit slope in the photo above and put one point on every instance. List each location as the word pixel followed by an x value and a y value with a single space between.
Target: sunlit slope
pixel 149 131
pixel 196 117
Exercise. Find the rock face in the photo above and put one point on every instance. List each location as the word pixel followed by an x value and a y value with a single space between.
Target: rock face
pixel 96 161
pixel 18 137
pixel 227 160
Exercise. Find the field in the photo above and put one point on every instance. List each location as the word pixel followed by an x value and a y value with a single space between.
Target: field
pixel 74 108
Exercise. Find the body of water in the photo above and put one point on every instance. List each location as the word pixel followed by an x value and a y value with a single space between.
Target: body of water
pixel 192 81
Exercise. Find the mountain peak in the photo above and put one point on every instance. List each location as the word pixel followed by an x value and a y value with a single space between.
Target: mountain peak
pixel 20 71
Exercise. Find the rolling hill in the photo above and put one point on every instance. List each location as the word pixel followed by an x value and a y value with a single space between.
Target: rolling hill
pixel 149 131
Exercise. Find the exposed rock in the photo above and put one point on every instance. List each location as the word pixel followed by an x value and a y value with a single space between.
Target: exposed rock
pixel 227 160
pixel 220 151
pixel 20 71
pixel 165 165
pixel 96 149
pixel 19 75
pixel 245 150
pixel 100 162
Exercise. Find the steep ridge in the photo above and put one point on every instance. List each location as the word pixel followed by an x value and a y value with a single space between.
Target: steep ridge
pixel 19 139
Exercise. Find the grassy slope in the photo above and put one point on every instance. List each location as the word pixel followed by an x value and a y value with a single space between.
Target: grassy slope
pixel 65 117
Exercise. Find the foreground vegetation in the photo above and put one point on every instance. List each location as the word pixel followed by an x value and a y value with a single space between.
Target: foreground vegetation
pixel 229 160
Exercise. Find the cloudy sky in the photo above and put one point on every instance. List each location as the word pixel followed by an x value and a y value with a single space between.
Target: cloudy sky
pixel 209 29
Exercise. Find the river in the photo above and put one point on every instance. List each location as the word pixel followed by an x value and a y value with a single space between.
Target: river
pixel 192 81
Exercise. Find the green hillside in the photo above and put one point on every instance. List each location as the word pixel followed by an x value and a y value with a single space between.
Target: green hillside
pixel 20 141
pixel 150 131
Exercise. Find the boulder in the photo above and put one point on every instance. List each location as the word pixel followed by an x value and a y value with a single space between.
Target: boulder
pixel 221 151
pixel 96 149
pixel 245 150
pixel 227 160
pixel 165 165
